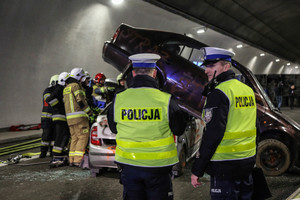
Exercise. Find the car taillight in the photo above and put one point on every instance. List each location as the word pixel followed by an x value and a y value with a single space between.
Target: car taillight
pixel 115 35
pixel 94 137
pixel 175 138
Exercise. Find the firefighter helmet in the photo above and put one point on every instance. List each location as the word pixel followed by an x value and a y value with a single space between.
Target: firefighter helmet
pixel 86 76
pixel 62 78
pixel 77 73
pixel 53 80
pixel 120 77
pixel 99 76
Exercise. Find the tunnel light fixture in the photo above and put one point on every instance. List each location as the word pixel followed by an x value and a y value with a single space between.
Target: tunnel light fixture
pixel 239 46
pixel 262 54
pixel 288 64
pixel 296 67
pixel 116 2
pixel 201 30
pixel 277 60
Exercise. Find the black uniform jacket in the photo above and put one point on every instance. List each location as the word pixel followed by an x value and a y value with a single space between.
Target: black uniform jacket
pixel 177 118
pixel 215 129
pixel 46 122
pixel 57 93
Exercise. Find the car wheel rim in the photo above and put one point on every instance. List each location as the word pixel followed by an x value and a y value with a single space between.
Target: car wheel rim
pixel 273 158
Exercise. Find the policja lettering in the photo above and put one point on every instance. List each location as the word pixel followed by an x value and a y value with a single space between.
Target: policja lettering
pixel 244 102
pixel 141 114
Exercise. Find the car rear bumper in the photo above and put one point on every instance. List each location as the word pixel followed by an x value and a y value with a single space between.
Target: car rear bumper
pixel 102 157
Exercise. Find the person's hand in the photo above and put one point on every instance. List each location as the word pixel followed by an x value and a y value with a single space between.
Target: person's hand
pixel 195 181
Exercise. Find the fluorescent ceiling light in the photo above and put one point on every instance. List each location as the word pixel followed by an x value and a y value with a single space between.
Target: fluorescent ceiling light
pixel 201 30
pixel 262 54
pixel 288 64
pixel 239 46
pixel 277 60
pixel 296 67
pixel 117 1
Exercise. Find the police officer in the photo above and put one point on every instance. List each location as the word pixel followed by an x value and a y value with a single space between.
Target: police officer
pixel 228 147
pixel 145 120
pixel 46 120
pixel 62 133
pixel 77 113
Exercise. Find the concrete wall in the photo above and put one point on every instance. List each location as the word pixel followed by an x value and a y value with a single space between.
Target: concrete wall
pixel 42 38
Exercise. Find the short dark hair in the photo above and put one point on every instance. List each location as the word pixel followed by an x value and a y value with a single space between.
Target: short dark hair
pixel 142 71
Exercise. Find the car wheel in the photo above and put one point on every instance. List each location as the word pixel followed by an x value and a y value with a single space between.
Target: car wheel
pixel 273 157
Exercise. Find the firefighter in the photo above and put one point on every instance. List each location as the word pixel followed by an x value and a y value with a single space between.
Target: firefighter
pixel 121 81
pixel 88 93
pixel 228 148
pixel 46 120
pixel 77 113
pixel 145 120
pixel 62 133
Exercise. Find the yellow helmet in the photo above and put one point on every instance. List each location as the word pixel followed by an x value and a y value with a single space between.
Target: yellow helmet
pixel 53 80
pixel 120 77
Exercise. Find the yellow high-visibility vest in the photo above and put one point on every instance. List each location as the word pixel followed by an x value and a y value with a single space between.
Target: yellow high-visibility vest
pixel 144 137
pixel 239 141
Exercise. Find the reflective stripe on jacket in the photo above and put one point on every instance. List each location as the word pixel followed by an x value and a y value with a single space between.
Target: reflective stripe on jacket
pixel 144 137
pixel 239 141
pixel 73 95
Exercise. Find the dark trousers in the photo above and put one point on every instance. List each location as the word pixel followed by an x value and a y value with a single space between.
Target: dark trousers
pixel 62 136
pixel 224 189
pixel 139 184
pixel 47 139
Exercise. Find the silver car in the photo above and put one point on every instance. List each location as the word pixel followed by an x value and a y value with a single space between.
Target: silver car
pixel 102 144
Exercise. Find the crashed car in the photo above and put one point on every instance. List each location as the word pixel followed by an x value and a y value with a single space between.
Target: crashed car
pixel 103 144
pixel 180 73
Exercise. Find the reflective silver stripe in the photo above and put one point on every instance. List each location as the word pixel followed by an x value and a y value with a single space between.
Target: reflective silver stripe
pixel 52 143
pixel 71 153
pixel 46 115
pixel 79 153
pixel 76 114
pixel 46 95
pixel 57 149
pixel 43 143
pixel 87 110
pixel 53 102
pixel 59 116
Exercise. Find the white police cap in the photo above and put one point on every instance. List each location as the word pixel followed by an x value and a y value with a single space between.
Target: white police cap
pixel 214 54
pixel 144 60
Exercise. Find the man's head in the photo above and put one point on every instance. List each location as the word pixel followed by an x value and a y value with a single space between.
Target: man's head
pixel 144 64
pixel 99 79
pixel 216 61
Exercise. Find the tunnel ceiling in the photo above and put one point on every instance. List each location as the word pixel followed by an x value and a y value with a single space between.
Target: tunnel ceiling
pixel 270 25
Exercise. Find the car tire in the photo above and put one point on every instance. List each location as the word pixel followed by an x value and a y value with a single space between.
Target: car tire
pixel 273 156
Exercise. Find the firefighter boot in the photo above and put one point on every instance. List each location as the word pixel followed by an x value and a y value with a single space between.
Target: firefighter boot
pixel 59 161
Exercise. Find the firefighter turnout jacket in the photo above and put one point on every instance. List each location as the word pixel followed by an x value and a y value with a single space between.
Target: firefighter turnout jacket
pixel 76 106
pixel 228 145
pixel 56 102
pixel 145 119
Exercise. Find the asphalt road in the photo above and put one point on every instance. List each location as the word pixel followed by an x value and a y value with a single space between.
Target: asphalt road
pixel 36 182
